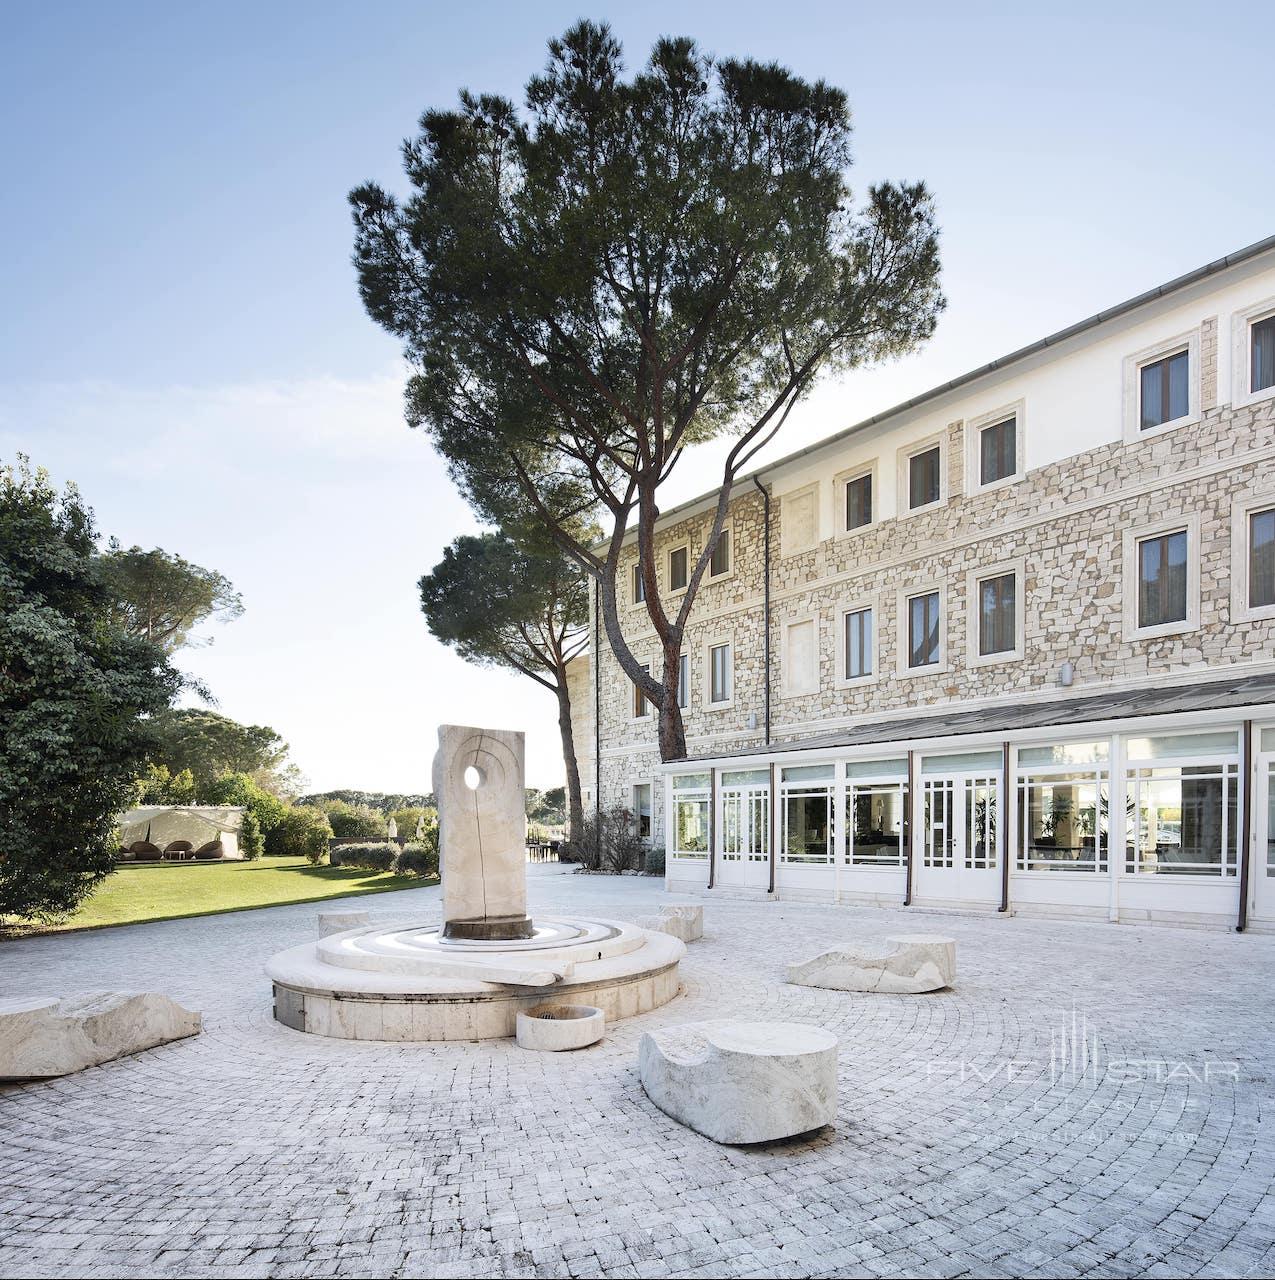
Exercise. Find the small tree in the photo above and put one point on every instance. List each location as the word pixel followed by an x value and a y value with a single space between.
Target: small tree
pixel 251 842
pixel 75 695
pixel 349 820
pixel 302 832
pixel 521 605
pixel 239 789
pixel 623 270
pixel 162 598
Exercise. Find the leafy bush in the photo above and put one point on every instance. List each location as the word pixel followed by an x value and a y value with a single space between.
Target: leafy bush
pixel 418 860
pixel 609 841
pixel 240 789
pixel 371 857
pixel 406 818
pixel 158 785
pixel 301 832
pixel 353 820
pixel 251 842
pixel 654 864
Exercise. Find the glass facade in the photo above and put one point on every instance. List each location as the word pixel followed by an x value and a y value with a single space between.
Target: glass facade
pixel 1062 819
pixel 877 822
pixel 1182 820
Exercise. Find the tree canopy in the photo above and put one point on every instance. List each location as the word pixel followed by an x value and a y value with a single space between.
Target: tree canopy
pixel 162 598
pixel 75 696
pixel 210 745
pixel 626 268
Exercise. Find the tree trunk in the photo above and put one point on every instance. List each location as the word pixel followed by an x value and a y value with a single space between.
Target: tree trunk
pixel 575 805
pixel 672 732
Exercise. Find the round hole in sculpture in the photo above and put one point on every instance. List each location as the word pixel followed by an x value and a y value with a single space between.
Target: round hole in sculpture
pixel 473 777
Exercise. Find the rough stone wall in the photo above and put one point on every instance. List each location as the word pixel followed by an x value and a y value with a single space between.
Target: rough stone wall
pixel 1064 521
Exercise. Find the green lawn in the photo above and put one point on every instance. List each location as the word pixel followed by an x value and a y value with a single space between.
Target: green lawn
pixel 174 890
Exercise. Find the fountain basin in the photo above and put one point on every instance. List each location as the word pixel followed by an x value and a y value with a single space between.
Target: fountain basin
pixel 554 1028
pixel 412 984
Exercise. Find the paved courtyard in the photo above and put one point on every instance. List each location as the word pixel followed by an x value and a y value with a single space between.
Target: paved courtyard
pixel 1091 1100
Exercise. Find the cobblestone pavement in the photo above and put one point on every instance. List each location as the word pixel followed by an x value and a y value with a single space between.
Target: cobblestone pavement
pixel 973 1138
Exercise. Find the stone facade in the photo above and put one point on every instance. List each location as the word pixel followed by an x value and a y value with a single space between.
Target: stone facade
pixel 1063 526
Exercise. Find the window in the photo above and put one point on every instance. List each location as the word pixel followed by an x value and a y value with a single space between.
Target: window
pixel 690 816
pixel 639 587
pixel 801 657
pixel 924 478
pixel 876 813
pixel 800 525
pixel 859 501
pixel 1164 390
pixel 807 814
pixel 641 707
pixel 684 680
pixel 923 630
pixel 678 560
pixel 1162 584
pixel 642 809
pixel 858 644
pixel 1062 818
pixel 1262 355
pixel 997 614
pixel 719 562
pixel 998 451
pixel 720 688
pixel 1261 559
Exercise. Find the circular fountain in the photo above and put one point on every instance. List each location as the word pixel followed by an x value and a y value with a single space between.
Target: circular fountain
pixel 468 978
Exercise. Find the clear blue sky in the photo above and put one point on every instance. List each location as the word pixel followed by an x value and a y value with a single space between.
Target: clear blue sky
pixel 181 335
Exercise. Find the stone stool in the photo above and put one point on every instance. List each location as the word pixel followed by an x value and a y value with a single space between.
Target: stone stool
pixel 552 1028
pixel 741 1082
pixel 914 962
pixel 339 921
pixel 686 923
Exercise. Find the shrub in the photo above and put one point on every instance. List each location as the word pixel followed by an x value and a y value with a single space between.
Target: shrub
pixel 240 789
pixel 354 820
pixel 301 832
pixel 406 818
pixel 418 860
pixel 654 864
pixel 251 843
pixel 609 841
pixel 371 857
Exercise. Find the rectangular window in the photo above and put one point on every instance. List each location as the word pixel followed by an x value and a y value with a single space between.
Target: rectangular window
pixel 677 568
pixel 641 707
pixel 1162 579
pixel 1261 558
pixel 923 629
pixel 684 680
pixel 997 613
pixel 1164 390
pixel 639 587
pixel 690 825
pixel 807 824
pixel 859 501
pixel 1183 820
pixel 1062 820
pixel 642 809
pixel 997 451
pixel 923 478
pixel 1263 355
pixel 719 562
pixel 878 819
pixel 858 658
pixel 719 681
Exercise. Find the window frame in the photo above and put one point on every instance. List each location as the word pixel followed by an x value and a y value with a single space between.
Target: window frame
pixel 728 532
pixel 1242 323
pixel 1132 379
pixel 635 692
pixel 1190 524
pixel 1242 511
pixel 635 578
pixel 684 680
pixel 669 553
pixel 786 544
pixel 786 672
pixel 634 788
pixel 974 428
pixel 709 645
pixel 906 453
pixel 1018 568
pixel 873 605
pixel 841 483
pixel 905 594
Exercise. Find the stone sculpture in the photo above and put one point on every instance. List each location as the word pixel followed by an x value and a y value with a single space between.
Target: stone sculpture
pixel 686 923
pixel 478 781
pixel 43 1036
pixel 742 1082
pixel 914 963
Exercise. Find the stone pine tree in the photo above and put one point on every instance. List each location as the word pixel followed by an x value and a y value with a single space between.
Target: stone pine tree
pixel 75 696
pixel 623 268
pixel 523 605
pixel 163 598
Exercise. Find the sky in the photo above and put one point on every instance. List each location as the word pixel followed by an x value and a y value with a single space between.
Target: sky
pixel 181 336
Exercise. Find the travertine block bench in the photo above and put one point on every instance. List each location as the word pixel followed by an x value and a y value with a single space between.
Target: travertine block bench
pixel 686 923
pixel 742 1082
pixel 331 922
pixel 909 964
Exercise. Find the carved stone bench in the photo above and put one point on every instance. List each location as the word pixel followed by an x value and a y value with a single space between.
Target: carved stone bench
pixel 684 922
pixel 742 1082
pixel 910 964
pixel 331 922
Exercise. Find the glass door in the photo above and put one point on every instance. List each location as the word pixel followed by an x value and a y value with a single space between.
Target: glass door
pixel 959 854
pixel 745 826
